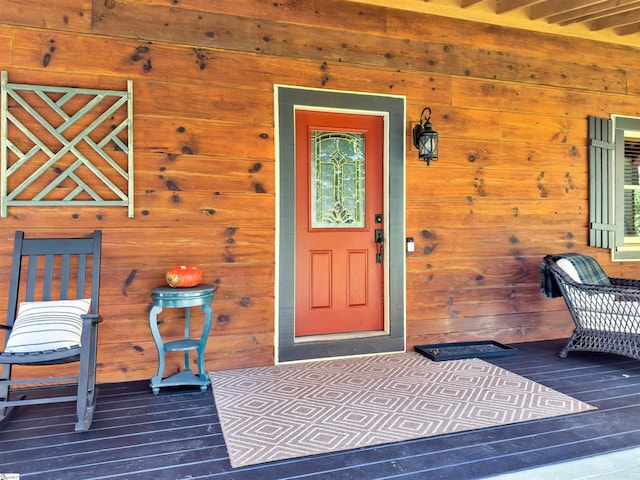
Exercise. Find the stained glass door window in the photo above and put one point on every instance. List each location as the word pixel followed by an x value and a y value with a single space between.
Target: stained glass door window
pixel 337 179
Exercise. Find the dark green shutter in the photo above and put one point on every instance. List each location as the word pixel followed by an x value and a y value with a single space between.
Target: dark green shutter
pixel 602 220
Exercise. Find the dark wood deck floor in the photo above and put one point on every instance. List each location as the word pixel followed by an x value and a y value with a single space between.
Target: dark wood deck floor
pixel 176 434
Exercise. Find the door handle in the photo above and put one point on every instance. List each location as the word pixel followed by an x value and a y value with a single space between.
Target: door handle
pixel 379 238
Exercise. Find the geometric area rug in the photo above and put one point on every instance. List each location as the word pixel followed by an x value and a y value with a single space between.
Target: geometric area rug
pixel 293 410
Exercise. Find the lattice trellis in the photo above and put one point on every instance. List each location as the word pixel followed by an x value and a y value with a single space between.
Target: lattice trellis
pixel 63 146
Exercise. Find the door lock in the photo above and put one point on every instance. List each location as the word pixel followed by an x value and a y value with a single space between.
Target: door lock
pixel 379 238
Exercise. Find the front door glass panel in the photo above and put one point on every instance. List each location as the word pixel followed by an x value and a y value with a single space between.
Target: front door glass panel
pixel 337 179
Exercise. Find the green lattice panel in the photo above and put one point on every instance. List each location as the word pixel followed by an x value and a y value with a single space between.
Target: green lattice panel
pixel 64 146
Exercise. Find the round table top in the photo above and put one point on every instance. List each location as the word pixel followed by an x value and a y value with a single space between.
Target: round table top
pixel 182 296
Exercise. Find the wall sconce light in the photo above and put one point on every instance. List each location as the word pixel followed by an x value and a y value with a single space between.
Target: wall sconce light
pixel 425 139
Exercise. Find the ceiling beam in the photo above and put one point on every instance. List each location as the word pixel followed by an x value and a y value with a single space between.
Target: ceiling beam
pixel 550 8
pixel 628 29
pixel 616 20
pixel 503 6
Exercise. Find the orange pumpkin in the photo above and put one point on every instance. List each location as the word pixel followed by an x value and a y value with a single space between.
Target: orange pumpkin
pixel 184 276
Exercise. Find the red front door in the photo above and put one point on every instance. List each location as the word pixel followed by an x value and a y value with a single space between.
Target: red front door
pixel 339 284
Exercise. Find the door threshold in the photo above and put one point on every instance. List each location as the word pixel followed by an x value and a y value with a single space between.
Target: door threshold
pixel 332 337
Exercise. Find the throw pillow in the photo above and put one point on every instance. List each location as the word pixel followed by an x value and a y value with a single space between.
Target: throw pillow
pixel 47 325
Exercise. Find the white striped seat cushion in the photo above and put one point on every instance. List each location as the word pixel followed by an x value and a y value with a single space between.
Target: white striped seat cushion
pixel 47 325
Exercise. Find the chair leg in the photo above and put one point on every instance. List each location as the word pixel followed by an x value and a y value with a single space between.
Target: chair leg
pixel 5 410
pixel 87 392
pixel 85 405
pixel 81 401
pixel 565 350
pixel 5 390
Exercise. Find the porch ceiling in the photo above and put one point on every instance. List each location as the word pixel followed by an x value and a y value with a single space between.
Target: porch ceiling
pixel 623 16
pixel 614 21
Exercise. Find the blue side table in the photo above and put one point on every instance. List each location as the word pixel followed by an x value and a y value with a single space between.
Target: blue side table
pixel 168 297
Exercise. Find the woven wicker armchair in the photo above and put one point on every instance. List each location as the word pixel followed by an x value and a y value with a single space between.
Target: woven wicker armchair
pixel 606 310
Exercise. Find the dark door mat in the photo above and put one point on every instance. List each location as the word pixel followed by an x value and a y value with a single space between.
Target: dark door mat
pixel 439 352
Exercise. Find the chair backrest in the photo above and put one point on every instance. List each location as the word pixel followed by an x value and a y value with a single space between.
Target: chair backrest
pixel 54 269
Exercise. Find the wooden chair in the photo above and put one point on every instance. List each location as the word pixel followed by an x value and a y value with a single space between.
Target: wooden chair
pixel 52 318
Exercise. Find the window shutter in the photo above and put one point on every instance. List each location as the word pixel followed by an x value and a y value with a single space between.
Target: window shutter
pixel 601 183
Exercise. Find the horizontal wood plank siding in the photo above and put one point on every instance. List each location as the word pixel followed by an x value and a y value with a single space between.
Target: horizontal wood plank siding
pixel 510 186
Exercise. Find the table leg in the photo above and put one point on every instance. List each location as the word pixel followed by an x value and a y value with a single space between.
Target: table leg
pixel 206 328
pixel 187 328
pixel 155 332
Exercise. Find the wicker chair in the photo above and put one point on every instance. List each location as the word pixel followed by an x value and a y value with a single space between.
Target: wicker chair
pixel 606 311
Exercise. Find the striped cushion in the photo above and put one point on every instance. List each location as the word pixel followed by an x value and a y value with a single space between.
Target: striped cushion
pixel 49 325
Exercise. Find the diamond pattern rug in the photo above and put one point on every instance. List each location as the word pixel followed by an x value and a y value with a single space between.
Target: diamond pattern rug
pixel 287 411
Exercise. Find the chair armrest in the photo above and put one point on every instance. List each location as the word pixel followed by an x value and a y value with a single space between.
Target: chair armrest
pixel 94 317
pixel 628 293
pixel 625 282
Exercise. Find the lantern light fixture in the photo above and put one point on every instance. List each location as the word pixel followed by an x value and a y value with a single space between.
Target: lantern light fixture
pixel 425 138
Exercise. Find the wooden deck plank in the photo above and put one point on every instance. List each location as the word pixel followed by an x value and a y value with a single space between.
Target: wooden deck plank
pixel 177 434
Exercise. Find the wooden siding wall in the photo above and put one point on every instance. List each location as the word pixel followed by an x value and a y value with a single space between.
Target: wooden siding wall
pixel 510 186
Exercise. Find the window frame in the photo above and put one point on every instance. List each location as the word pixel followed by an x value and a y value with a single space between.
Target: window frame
pixel 607 185
pixel 624 127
